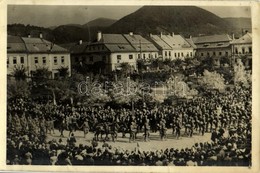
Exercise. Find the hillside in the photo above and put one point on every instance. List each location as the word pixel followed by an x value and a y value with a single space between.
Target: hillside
pixel 187 20
pixel 240 23
pixel 71 33
pixel 100 22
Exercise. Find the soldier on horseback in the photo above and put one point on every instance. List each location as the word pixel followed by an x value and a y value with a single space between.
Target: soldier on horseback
pixel 85 127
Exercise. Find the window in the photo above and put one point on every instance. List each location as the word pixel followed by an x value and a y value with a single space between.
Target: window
pixel 182 54
pixel 91 59
pixel 139 56
pixel 22 60
pixel 220 53
pixel 121 47
pixel 226 53
pixel 55 60
pixel 214 53
pixel 14 60
pixel 44 60
pixel 62 60
pixel 130 56
pixel 191 54
pixel 7 61
pixel 165 53
pixel 118 58
pixel 243 50
pixel 35 60
pixel 236 51
pixel 178 54
pixel 144 55
pixel 250 49
pixel 208 54
pixel 169 53
pixel 201 54
pixel 155 55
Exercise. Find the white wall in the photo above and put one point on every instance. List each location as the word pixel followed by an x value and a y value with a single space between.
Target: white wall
pixel 11 66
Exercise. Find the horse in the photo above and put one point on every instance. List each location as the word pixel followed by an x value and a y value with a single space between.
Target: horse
pixel 99 130
pixel 113 128
pixel 106 129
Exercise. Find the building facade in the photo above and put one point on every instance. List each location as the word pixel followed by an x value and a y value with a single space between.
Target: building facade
pixel 34 53
pixel 173 46
pixel 112 50
pixel 242 49
pixel 215 46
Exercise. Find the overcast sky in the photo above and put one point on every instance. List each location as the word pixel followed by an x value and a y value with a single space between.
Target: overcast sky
pixel 58 15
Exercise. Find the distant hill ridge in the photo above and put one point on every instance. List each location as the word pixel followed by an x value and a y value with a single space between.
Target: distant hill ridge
pixel 185 20
pixel 181 19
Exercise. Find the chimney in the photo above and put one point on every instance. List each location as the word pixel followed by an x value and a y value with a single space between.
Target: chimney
pixel 190 36
pixel 29 35
pixel 233 36
pixel 161 34
pixel 131 33
pixel 40 35
pixel 172 33
pixel 150 34
pixel 99 35
pixel 80 42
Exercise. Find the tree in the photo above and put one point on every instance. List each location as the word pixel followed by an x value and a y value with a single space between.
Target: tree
pixel 178 88
pixel 212 81
pixel 17 88
pixel 125 70
pixel 19 73
pixel 63 72
pixel 240 74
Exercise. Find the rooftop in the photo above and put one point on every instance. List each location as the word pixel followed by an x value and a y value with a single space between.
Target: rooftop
pixel 32 45
pixel 211 39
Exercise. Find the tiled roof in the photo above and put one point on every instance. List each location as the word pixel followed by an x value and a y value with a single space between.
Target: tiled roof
pixel 158 41
pixel 247 38
pixel 211 39
pixel 176 41
pixel 38 45
pixel 120 48
pixel 15 44
pixel 32 45
pixel 76 48
pixel 140 43
pixel 212 45
pixel 190 41
pixel 113 38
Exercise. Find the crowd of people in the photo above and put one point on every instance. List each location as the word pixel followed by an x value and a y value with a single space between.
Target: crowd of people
pixel 219 114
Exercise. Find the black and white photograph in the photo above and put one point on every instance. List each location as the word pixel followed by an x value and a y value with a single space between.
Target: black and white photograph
pixel 147 85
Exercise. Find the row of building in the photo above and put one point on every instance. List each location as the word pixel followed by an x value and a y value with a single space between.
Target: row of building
pixel 114 49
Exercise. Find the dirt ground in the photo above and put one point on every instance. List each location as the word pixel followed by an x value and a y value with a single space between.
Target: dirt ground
pixel 155 142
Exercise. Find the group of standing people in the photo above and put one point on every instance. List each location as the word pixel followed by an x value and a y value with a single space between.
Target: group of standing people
pixel 29 122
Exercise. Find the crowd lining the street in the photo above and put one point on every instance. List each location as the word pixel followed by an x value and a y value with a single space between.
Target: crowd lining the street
pixel 220 113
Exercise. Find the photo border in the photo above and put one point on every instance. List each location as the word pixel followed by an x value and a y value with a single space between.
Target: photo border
pixel 255 11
